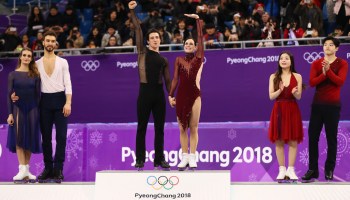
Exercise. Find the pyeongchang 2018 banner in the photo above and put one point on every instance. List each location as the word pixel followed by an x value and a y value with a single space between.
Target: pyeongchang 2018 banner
pixel 234 84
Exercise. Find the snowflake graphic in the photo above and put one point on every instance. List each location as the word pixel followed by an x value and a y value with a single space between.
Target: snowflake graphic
pixel 39 167
pixel 96 138
pixel 232 134
pixel 252 177
pixel 343 143
pixel 304 157
pixel 74 144
pixel 93 162
pixel 348 176
pixel 113 137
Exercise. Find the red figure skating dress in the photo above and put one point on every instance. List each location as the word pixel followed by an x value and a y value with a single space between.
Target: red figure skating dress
pixel 285 120
pixel 188 70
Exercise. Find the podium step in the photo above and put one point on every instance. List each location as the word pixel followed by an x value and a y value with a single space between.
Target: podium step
pixel 194 185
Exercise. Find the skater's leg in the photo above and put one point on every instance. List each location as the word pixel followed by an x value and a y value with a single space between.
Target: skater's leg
pixel 281 160
pixel 292 154
pixel 194 121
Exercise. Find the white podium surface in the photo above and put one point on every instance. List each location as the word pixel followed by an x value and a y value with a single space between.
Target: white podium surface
pixel 191 185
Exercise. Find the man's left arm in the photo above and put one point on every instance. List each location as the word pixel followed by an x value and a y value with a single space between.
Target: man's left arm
pixel 339 78
pixel 167 75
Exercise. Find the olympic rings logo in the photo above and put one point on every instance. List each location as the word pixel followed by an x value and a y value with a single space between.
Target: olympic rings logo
pixel 1 67
pixel 311 57
pixel 162 182
pixel 90 65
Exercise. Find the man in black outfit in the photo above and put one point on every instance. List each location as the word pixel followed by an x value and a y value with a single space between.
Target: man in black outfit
pixel 152 69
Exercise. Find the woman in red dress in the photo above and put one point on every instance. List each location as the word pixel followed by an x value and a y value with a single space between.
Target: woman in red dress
pixel 285 86
pixel 188 70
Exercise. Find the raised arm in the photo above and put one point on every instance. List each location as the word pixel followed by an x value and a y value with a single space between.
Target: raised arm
pixel 200 47
pixel 138 30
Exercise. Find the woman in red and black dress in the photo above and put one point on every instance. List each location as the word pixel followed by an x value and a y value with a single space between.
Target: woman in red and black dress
pixel 188 70
pixel 285 86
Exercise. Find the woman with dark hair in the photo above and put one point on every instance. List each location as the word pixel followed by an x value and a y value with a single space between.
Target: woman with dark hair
pixel 23 133
pixel 188 70
pixel 285 86
pixel 35 22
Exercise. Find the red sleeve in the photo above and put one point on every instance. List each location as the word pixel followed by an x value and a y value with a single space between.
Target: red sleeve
pixel 200 47
pixel 339 78
pixel 175 79
pixel 316 77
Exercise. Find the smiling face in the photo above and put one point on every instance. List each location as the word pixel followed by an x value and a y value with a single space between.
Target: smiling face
pixel 189 46
pixel 26 57
pixel 49 43
pixel 285 61
pixel 154 40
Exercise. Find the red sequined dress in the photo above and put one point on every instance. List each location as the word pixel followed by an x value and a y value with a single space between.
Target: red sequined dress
pixel 187 72
pixel 285 120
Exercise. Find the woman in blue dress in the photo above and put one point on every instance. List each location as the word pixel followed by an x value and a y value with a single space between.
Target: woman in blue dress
pixel 23 133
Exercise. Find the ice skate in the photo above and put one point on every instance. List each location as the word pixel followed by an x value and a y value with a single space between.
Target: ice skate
pixel 58 175
pixel 162 165
pixel 328 175
pixel 139 165
pixel 291 176
pixel 281 177
pixel 184 162
pixel 45 176
pixel 310 176
pixel 21 176
pixel 192 162
pixel 31 177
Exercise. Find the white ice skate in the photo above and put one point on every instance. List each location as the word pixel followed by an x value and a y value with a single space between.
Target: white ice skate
pixel 291 176
pixel 184 162
pixel 192 161
pixel 281 174
pixel 31 177
pixel 22 176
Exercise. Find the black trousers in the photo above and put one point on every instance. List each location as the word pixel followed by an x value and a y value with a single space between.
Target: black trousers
pixel 51 112
pixel 327 115
pixel 151 99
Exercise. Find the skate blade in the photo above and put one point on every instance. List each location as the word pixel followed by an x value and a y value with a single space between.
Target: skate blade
pixel 192 168
pixel 161 169
pixel 46 181
pixel 309 181
pixel 181 169
pixel 20 181
pixel 32 180
pixel 139 169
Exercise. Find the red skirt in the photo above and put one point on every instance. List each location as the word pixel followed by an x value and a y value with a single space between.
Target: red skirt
pixel 285 122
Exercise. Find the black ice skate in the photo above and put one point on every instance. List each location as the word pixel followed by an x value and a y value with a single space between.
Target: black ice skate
pixel 139 165
pixel 58 175
pixel 45 176
pixel 310 176
pixel 162 165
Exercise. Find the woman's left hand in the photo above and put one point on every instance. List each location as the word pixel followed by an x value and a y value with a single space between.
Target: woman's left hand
pixel 195 16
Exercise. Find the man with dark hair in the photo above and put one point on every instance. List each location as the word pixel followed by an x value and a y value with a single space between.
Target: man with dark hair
pixel 152 69
pixel 328 75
